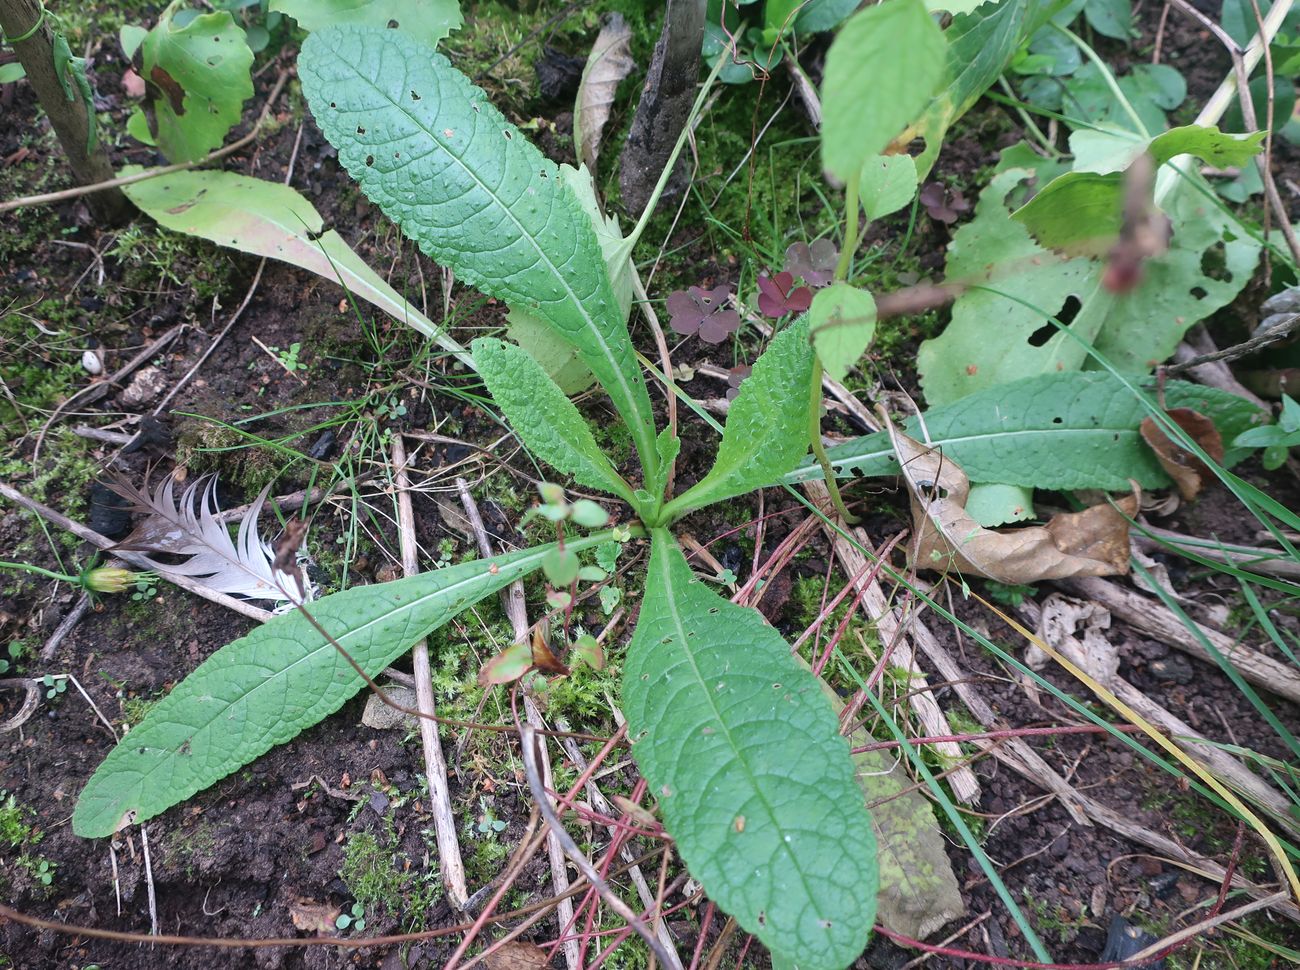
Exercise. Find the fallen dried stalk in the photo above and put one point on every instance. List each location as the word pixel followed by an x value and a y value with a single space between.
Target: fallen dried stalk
pixel 66 626
pixel 1014 752
pixel 965 786
pixel 435 765
pixel 122 180
pixel 1271 562
pixel 600 804
pixel 1156 620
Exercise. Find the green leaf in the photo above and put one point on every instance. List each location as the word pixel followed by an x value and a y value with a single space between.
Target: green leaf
pixel 1056 431
pixel 131 36
pixel 560 566
pixel 881 70
pixel 426 21
pixel 1077 214
pixel 543 418
pixel 767 429
pixel 755 784
pixel 198 80
pixel 993 503
pixel 1002 329
pixel 434 154
pixel 1107 148
pixel 588 514
pixel 887 183
pixel 1080 212
pixel 271 219
pixel 1110 18
pixel 980 46
pixel 816 16
pixel 9 73
pixel 1218 148
pixel 283 677
pixel 843 321
pixel 558 357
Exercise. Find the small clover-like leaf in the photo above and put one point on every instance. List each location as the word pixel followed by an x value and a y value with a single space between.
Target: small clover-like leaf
pixel 703 312
pixel 943 203
pixel 777 296
pixel 814 264
pixel 734 377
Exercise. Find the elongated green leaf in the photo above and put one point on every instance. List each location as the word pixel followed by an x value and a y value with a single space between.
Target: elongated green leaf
pixel 768 425
pixel 283 677
pixel 881 70
pixel 754 781
pixel 198 81
pixel 1057 431
pixel 431 151
pixel 545 420
pixel 273 220
pixel 427 21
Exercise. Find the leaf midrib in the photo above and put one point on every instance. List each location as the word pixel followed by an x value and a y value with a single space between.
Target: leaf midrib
pixel 344 639
pixel 666 571
pixel 588 321
pixel 946 442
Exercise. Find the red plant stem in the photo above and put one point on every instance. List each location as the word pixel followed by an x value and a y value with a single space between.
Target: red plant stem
pixel 1231 868
pixel 704 932
pixel 994 735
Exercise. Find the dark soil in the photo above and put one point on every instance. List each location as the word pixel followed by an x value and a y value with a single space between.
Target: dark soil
pixel 233 860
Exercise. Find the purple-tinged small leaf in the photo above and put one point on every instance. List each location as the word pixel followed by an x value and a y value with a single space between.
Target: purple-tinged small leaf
pixel 814 264
pixel 507 666
pixel 777 296
pixel 943 203
pixel 734 377
pixel 704 313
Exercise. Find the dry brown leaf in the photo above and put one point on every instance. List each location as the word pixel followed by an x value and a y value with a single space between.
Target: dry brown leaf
pixel 313 917
pixel 609 62
pixel 1188 471
pixel 516 955
pixel 1093 542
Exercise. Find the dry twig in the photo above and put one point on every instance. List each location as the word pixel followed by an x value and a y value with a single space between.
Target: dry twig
pixel 512 599
pixel 435 765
